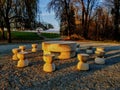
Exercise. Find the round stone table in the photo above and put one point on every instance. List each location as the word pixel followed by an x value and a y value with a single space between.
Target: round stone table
pixel 61 49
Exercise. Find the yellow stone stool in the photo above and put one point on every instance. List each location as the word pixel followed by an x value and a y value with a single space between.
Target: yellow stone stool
pixel 101 49
pixel 82 65
pixel 34 47
pixel 22 48
pixel 22 61
pixel 49 66
pixel 100 52
pixel 15 52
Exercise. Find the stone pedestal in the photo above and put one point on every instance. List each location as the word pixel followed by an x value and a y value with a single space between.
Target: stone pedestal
pixel 22 61
pixel 101 49
pixel 15 52
pixel 99 60
pixel 100 52
pixel 82 64
pixel 89 50
pixel 100 55
pixel 77 48
pixel 49 66
pixel 22 48
pixel 34 47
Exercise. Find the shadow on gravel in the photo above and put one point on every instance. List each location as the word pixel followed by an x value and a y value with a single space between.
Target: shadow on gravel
pixel 66 79
pixel 65 65
pixel 66 76
pixel 110 48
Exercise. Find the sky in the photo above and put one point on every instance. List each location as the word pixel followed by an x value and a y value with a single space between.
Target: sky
pixel 45 16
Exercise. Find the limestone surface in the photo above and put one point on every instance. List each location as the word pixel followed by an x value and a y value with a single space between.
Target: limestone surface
pixel 99 60
pixel 66 49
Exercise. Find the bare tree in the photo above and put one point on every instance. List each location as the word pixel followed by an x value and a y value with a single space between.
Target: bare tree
pixel 62 9
pixel 114 6
pixel 11 9
pixel 102 23
pixel 88 7
pixel 2 28
pixel 116 19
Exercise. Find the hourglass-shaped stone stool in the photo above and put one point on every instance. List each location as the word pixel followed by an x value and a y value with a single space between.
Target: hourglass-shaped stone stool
pixel 49 66
pixel 89 50
pixel 15 52
pixel 82 64
pixel 78 48
pixel 100 52
pixel 34 47
pixel 22 48
pixel 99 59
pixel 22 61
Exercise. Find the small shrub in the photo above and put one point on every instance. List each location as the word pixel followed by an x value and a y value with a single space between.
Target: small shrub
pixel 76 37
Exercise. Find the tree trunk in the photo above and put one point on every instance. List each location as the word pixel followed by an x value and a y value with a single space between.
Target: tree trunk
pixel 83 14
pixel 8 31
pixel 116 20
pixel 68 16
pixel 86 26
pixel 3 33
pixel 9 35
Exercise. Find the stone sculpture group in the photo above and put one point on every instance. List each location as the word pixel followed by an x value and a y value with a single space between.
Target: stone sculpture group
pixel 49 55
pixel 19 54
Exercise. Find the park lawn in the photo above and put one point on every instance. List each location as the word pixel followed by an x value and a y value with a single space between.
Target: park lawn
pixel 24 35
pixel 31 35
pixel 50 35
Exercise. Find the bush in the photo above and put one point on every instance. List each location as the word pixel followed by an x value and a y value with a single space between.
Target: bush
pixel 76 37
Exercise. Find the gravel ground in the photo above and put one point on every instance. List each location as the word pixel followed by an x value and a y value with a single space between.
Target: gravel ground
pixel 7 49
pixel 66 76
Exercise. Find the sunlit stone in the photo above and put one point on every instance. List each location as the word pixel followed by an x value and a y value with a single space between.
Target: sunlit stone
pixel 66 49
pixel 15 52
pixel 100 52
pixel 22 61
pixel 82 64
pixel 101 49
pixel 34 47
pixel 22 48
pixel 49 66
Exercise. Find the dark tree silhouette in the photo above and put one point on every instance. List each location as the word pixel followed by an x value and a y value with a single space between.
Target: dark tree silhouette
pixel 10 10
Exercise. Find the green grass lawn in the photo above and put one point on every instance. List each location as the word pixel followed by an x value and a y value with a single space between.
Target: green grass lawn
pixel 31 35
pixel 24 36
pixel 16 35
pixel 50 35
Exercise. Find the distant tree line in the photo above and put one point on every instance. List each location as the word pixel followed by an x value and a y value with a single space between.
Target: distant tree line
pixel 89 19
